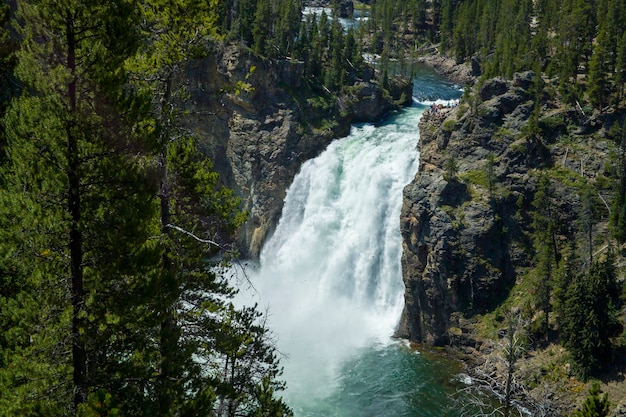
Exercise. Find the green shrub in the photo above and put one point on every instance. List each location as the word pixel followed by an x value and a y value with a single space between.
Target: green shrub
pixel 448 125
pixel 475 177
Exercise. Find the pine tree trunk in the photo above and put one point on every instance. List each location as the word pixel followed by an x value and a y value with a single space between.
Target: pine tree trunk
pixel 507 390
pixel 79 357
pixel 167 325
pixel 169 332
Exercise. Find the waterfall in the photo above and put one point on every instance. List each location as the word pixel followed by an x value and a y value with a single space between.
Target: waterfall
pixel 330 275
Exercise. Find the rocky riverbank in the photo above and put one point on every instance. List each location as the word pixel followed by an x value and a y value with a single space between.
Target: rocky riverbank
pixel 460 73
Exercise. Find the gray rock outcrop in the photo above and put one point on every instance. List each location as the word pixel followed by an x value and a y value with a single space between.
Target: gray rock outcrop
pixel 467 216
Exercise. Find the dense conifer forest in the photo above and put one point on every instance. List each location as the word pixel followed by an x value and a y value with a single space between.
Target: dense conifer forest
pixel 115 228
pixel 108 303
pixel 111 301
pixel 581 43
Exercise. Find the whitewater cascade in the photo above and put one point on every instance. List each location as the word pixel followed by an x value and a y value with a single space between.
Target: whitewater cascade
pixel 330 275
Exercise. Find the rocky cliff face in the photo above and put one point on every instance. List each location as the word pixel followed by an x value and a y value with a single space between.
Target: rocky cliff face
pixel 259 122
pixel 466 218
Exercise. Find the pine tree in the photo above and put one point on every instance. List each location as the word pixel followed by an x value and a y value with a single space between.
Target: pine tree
pixel 591 317
pixel 618 211
pixel 335 76
pixel 594 405
pixel 353 61
pixel 196 218
pixel 246 10
pixel 598 83
pixel 8 87
pixel 447 14
pixel 546 249
pixel 587 217
pixel 620 69
pixel 287 25
pixel 450 169
pixel 109 214
pixel 260 27
pixel 171 32
pixel 67 135
pixel 487 30
pixel 575 30
pixel 567 269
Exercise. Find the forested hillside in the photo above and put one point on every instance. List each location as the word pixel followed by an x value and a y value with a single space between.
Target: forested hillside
pixel 115 228
pixel 577 50
pixel 581 43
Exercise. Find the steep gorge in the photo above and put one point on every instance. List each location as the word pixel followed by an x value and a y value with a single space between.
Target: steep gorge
pixel 259 121
pixel 467 230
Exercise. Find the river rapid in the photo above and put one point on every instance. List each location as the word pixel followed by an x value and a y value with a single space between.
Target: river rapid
pixel 330 276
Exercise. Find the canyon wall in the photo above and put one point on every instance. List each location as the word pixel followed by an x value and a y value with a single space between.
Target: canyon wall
pixel 466 220
pixel 258 120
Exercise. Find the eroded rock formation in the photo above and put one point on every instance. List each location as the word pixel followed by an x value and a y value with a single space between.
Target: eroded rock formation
pixel 466 221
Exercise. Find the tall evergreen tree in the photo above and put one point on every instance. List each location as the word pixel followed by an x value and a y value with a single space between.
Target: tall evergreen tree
pixel 620 68
pixel 599 71
pixel 261 26
pixel 109 214
pixel 288 18
pixel 447 16
pixel 591 317
pixel 8 45
pixel 564 276
pixel 335 75
pixel 587 218
pixel 172 32
pixel 618 211
pixel 67 134
pixel 196 218
pixel 546 249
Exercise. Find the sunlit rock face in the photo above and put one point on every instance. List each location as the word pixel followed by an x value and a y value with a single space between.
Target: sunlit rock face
pixel 258 127
pixel 465 229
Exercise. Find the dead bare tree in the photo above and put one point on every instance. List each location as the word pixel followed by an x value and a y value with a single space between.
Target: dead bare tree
pixel 494 390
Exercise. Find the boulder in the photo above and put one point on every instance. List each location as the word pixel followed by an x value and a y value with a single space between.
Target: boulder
pixel 493 87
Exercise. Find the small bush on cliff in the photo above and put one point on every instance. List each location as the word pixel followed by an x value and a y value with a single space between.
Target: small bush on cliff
pixel 448 125
pixel 594 405
pixel 476 177
pixel 450 169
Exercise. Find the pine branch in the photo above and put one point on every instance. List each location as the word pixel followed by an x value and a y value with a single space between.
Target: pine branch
pixel 207 241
